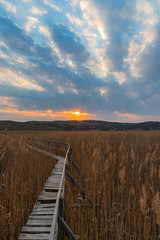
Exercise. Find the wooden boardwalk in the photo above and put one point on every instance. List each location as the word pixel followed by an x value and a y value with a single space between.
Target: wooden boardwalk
pixel 40 222
pixel 43 220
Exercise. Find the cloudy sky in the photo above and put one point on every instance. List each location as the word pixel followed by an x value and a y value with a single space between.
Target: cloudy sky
pixel 80 59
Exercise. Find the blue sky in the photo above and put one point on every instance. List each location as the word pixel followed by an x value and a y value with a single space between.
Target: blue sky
pixel 98 58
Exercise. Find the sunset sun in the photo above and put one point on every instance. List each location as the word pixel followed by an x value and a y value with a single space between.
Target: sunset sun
pixel 77 113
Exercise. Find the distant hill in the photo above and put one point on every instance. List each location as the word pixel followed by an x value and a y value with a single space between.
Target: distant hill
pixel 76 126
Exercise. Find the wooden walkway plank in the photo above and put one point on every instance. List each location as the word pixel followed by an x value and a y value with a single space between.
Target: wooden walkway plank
pixel 36 230
pixel 47 196
pixel 41 217
pixel 39 222
pixel 51 188
pixel 42 212
pixel 39 236
pixel 44 206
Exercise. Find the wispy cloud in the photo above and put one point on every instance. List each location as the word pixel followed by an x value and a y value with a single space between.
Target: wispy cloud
pixel 74 19
pixel 52 5
pixel 38 11
pixel 31 24
pixel 8 6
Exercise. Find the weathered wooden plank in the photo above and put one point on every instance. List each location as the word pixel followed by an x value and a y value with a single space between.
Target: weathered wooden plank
pixel 26 229
pixel 58 171
pixel 44 196
pixel 44 205
pixel 54 177
pixel 60 163
pixel 41 217
pixel 50 183
pixel 38 236
pixel 36 229
pixel 42 212
pixel 51 188
pixel 36 223
pixel 54 180
pixel 55 174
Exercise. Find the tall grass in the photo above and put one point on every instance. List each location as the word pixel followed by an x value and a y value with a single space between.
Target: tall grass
pixel 23 173
pixel 119 171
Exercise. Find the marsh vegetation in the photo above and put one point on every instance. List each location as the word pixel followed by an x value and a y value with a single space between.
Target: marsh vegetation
pixel 119 171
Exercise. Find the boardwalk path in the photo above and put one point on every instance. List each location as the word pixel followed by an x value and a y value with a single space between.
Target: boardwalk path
pixel 44 218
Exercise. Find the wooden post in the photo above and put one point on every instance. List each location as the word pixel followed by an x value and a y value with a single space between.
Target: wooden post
pixel 60 230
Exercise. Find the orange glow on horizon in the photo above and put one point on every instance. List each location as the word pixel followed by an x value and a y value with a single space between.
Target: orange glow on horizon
pixel 13 113
pixel 76 113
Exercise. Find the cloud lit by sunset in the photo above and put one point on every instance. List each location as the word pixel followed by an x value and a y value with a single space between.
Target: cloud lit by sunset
pixel 82 59
pixel 45 114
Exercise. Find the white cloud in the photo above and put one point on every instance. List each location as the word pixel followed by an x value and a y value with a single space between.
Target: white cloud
pixel 99 66
pixel 143 7
pixel 87 32
pixel 127 116
pixel 133 94
pixel 103 91
pixel 133 47
pixel 52 5
pixel 101 30
pixel 7 76
pixel 71 63
pixel 121 77
pixel 31 23
pixel 149 35
pixel 38 11
pixel 92 18
pixel 74 20
pixel 4 45
pixel 60 89
pixel 6 101
pixel 45 31
pixel 9 7
pixel 73 3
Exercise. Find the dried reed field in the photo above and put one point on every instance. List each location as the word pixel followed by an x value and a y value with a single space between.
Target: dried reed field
pixel 119 171
pixel 23 173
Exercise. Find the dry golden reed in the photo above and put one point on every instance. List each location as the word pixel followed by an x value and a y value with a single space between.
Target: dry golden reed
pixel 119 171
pixel 23 173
